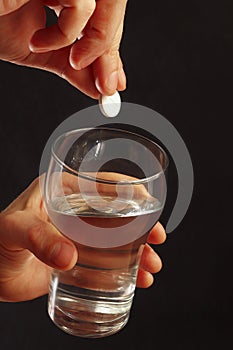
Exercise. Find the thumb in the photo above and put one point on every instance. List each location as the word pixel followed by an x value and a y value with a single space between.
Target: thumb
pixel 106 72
pixel 24 229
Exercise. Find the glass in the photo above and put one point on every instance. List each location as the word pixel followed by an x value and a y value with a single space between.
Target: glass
pixel 105 188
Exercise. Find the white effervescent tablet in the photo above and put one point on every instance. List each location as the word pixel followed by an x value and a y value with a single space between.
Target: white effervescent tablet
pixel 110 105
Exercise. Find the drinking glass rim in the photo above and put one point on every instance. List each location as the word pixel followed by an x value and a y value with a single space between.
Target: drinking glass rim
pixel 96 179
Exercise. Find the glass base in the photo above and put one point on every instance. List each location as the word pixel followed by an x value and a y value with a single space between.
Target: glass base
pixel 90 318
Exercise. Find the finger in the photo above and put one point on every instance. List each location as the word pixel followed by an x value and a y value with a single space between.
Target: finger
pixel 150 261
pixel 108 73
pixel 70 182
pixel 25 230
pixel 144 279
pixel 71 21
pixel 103 30
pixel 83 80
pixel 58 63
pixel 157 234
pixel 105 71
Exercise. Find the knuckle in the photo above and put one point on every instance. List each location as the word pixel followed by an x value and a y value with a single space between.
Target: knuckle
pixel 113 55
pixel 34 234
pixel 101 35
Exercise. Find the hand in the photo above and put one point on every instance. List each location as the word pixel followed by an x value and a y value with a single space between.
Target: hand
pixel 30 246
pixel 92 64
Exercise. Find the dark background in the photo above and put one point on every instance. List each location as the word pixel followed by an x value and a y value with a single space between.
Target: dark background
pixel 179 60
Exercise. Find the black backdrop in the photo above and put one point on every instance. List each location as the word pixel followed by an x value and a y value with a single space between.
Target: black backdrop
pixel 178 56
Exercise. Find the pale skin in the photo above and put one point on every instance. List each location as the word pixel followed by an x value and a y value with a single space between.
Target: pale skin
pixel 30 246
pixel 92 64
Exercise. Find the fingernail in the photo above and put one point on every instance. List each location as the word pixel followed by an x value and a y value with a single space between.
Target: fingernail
pixel 35 49
pixel 98 87
pixel 111 81
pixel 82 64
pixel 62 254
